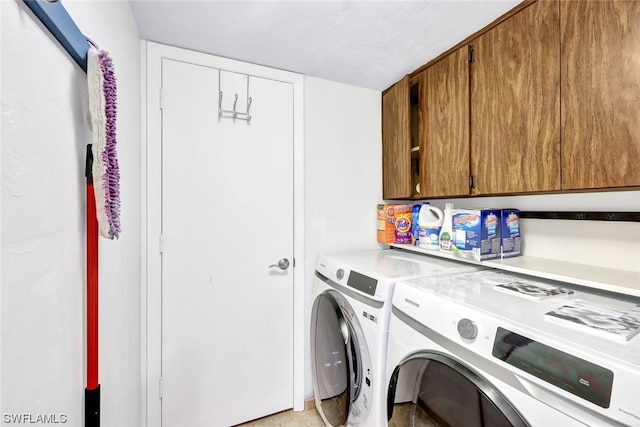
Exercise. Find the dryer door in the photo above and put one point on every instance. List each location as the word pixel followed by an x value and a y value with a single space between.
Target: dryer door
pixel 432 387
pixel 335 358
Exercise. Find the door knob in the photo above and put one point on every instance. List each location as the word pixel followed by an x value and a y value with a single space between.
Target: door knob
pixel 283 264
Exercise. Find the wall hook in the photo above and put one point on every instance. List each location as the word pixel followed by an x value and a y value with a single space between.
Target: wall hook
pixel 233 114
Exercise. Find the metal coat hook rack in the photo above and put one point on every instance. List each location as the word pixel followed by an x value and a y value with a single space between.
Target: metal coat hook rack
pixel 234 114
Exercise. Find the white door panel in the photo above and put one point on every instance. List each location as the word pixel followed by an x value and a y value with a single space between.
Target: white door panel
pixel 227 215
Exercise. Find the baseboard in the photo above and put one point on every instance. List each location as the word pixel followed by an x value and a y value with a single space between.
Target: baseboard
pixel 309 404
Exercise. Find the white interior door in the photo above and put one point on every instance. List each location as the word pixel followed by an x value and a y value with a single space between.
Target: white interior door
pixel 227 215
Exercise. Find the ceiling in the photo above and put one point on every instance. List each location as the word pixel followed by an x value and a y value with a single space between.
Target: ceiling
pixel 366 43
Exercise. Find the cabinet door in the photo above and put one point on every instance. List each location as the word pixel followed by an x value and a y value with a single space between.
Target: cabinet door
pixel 444 148
pixel 515 103
pixel 600 94
pixel 396 142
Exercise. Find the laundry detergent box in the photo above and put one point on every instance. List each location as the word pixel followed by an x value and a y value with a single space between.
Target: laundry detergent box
pixel 510 238
pixel 404 224
pixel 386 228
pixel 476 233
pixel 394 224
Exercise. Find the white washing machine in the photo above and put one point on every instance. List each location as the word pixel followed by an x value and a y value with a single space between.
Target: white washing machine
pixel 479 349
pixel 349 327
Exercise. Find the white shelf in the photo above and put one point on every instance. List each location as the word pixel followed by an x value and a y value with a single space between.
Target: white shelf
pixel 436 254
pixel 607 279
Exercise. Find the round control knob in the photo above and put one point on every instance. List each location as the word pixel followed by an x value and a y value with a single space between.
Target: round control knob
pixel 467 329
pixel 340 274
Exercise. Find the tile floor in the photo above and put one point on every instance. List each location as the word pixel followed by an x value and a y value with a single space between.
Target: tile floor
pixel 403 415
pixel 308 418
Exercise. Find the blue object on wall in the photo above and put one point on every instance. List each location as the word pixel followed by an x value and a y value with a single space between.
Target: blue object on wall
pixel 57 20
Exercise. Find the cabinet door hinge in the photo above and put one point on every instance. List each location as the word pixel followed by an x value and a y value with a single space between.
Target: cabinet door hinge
pixel 161 243
pixel 161 98
pixel 472 181
pixel 160 390
pixel 471 56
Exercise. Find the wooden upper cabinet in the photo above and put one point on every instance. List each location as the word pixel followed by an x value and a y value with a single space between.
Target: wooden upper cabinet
pixel 515 103
pixel 444 126
pixel 600 94
pixel 396 142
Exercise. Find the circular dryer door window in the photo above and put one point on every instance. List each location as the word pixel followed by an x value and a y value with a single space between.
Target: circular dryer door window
pixel 339 361
pixel 433 389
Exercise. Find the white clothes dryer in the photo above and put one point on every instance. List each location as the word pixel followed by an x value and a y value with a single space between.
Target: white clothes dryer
pixel 349 327
pixel 481 349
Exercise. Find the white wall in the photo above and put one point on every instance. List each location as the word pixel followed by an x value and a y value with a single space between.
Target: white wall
pixel 44 133
pixel 609 244
pixel 343 178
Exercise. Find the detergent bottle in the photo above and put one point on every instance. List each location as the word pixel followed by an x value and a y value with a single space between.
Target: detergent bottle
pixel 415 216
pixel 429 224
pixel 446 233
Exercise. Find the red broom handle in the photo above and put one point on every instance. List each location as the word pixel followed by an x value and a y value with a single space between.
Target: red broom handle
pixel 92 392
pixel 92 288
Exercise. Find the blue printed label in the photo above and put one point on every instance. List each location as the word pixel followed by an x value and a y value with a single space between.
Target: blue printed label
pixel 491 223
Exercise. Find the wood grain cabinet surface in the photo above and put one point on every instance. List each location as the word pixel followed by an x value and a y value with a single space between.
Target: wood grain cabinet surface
pixel 396 142
pixel 444 144
pixel 600 94
pixel 549 101
pixel 515 104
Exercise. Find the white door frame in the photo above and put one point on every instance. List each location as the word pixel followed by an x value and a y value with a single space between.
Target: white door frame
pixel 152 55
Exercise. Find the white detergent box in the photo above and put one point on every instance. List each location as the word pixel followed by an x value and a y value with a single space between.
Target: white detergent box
pixel 510 224
pixel 476 233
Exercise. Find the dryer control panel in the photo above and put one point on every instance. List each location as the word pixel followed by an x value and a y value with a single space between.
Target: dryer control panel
pixel 573 374
pixel 362 283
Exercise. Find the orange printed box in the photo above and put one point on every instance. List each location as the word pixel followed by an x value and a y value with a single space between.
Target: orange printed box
pixel 394 224
pixel 386 224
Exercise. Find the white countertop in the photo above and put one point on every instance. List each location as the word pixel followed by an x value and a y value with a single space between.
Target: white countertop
pixel 607 279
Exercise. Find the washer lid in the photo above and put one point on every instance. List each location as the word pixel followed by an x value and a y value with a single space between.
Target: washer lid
pixel 392 263
pixel 530 302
